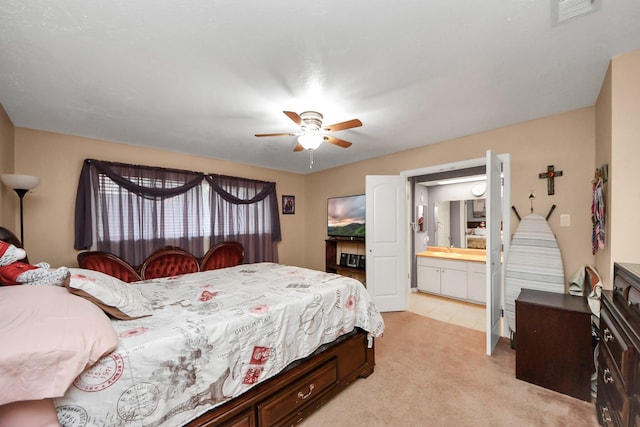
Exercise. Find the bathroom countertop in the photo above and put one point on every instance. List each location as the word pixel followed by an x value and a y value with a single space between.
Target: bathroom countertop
pixel 456 254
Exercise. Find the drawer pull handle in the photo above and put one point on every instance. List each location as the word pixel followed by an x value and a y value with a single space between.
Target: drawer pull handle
pixel 605 414
pixel 607 335
pixel 303 396
pixel 606 376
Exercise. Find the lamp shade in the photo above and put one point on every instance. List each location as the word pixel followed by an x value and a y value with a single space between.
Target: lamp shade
pixel 20 182
pixel 310 141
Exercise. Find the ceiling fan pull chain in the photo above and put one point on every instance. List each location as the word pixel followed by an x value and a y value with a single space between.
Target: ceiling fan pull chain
pixel 310 159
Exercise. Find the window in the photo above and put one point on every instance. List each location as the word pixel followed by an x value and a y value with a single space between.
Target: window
pixel 245 211
pixel 139 209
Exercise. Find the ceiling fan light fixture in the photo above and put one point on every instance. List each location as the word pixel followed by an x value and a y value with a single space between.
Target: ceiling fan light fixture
pixel 312 120
pixel 310 141
pixel 313 133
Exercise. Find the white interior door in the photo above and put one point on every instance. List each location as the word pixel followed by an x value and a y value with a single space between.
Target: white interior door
pixel 387 279
pixel 494 243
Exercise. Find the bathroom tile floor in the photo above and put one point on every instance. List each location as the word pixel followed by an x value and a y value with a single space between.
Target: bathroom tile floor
pixel 448 310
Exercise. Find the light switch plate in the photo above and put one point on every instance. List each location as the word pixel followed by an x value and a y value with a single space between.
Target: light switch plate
pixel 565 220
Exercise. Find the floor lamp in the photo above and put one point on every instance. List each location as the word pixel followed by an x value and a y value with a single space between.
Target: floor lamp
pixel 21 184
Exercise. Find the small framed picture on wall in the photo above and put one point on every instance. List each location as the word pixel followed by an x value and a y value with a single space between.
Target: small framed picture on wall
pixel 479 208
pixel 288 205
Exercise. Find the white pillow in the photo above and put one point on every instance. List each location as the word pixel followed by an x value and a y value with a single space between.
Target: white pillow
pixel 480 231
pixel 115 297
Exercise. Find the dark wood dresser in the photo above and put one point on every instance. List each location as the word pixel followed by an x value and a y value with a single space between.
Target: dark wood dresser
pixel 618 401
pixel 554 348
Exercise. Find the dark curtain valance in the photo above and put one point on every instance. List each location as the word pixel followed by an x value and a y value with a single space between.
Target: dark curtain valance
pixel 113 171
pixel 215 182
pixel 232 222
pixel 187 180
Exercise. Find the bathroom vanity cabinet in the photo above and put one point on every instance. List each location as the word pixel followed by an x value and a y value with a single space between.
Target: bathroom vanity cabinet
pixel 460 279
pixel 477 282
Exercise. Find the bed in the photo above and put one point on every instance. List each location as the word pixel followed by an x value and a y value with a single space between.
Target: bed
pixel 254 344
pixel 476 235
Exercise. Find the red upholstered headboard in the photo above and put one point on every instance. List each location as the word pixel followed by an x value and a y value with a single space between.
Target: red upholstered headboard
pixel 165 262
pixel 108 263
pixel 169 261
pixel 221 255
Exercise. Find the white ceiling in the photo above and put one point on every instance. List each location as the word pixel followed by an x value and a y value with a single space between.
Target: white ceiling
pixel 203 76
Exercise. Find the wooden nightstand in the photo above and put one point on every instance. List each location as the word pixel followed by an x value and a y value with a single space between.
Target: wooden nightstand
pixel 553 342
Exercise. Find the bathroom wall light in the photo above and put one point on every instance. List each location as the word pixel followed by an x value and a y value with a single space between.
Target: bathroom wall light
pixel 462 179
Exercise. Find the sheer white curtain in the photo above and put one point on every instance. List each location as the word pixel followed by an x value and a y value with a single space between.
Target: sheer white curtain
pixel 246 211
pixel 139 209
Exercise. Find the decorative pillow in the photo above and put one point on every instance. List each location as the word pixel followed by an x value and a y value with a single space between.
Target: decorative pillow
pixel 117 298
pixel 48 338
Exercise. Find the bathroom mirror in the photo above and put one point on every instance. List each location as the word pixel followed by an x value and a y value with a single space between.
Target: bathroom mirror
pixel 451 221
pixel 421 220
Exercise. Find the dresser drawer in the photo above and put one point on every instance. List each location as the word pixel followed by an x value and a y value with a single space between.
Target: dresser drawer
pixel 635 411
pixel 291 399
pixel 607 416
pixel 620 349
pixel 621 285
pixel 609 381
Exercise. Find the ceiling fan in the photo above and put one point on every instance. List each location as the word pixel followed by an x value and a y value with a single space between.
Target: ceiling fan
pixel 313 133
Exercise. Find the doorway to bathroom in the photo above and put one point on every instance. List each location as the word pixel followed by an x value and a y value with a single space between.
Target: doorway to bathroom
pixel 454 217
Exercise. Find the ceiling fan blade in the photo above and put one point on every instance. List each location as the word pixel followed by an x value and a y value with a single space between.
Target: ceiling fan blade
pixel 343 125
pixel 294 116
pixel 275 134
pixel 299 147
pixel 337 141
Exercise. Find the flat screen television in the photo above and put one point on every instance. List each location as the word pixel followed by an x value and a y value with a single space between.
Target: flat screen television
pixel 345 216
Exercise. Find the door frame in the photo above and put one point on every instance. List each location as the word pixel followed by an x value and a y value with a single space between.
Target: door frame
pixel 464 164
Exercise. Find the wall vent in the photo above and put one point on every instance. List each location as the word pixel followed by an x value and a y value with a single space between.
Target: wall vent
pixel 564 10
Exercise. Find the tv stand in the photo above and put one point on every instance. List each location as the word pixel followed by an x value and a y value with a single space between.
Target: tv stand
pixel 335 246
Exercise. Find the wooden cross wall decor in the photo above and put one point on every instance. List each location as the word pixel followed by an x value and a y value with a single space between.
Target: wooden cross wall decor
pixel 550 175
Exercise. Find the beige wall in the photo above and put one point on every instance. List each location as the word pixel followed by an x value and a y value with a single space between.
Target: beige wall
pixel 618 128
pixel 8 199
pixel 603 156
pixel 625 147
pixel 567 141
pixel 564 140
pixel 57 160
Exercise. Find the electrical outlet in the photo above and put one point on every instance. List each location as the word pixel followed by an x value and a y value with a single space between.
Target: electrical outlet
pixel 565 220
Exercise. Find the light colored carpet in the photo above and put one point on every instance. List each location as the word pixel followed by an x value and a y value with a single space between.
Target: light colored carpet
pixel 431 373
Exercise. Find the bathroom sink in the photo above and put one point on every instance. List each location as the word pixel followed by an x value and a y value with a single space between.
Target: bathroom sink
pixel 461 254
pixel 446 254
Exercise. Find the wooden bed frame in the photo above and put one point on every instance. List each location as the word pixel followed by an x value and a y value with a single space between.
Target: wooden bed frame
pixel 289 397
pixel 293 395
pixel 285 399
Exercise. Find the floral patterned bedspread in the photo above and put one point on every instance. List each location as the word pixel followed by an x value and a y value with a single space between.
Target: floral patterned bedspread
pixel 214 335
